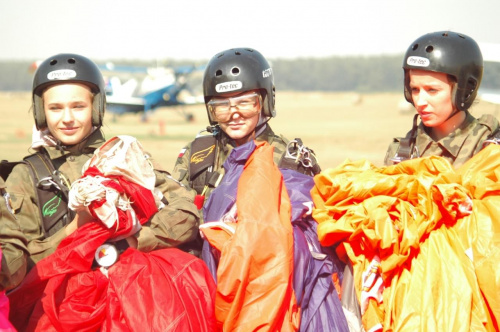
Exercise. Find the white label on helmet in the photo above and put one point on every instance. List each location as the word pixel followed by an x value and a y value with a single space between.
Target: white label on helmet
pixel 418 61
pixel 228 86
pixel 268 72
pixel 62 74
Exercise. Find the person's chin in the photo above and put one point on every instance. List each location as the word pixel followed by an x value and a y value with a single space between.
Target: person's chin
pixel 429 123
pixel 235 131
pixel 236 136
pixel 70 140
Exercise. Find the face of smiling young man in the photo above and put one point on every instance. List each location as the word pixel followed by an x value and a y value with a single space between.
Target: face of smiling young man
pixel 68 110
pixel 432 96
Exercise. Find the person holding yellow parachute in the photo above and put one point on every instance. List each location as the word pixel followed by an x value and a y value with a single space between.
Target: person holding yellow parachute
pixel 421 233
pixel 442 74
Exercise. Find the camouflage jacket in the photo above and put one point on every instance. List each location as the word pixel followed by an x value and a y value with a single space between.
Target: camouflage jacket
pixel 223 148
pixel 23 241
pixel 458 147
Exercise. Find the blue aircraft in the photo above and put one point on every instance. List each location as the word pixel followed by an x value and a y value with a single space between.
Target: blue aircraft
pixel 131 89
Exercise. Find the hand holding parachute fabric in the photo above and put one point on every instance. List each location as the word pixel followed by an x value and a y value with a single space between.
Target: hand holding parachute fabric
pixel 120 159
pixel 162 290
pixel 261 244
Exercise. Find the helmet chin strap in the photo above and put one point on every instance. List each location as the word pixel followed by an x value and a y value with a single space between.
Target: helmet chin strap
pixel 261 124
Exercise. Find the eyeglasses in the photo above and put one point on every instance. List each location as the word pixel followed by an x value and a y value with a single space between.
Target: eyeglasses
pixel 246 105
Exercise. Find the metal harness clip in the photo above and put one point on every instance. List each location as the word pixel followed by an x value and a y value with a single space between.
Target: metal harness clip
pixel 493 140
pixel 57 179
pixel 397 159
pixel 299 153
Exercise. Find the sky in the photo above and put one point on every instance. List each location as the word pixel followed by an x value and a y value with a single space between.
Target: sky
pixel 198 29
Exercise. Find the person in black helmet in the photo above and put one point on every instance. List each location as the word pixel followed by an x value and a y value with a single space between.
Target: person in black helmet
pixel 239 92
pixel 442 74
pixel 68 107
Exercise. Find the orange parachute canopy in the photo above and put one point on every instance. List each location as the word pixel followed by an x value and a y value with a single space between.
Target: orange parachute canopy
pixel 254 289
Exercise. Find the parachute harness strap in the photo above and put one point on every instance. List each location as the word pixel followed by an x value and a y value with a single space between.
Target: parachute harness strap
pixel 407 147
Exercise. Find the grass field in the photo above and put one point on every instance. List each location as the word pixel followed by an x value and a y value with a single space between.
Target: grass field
pixel 337 126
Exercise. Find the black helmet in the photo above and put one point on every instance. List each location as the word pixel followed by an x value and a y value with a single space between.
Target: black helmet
pixel 240 69
pixel 451 53
pixel 69 68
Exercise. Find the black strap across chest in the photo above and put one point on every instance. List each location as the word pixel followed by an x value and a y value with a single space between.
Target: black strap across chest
pixel 52 192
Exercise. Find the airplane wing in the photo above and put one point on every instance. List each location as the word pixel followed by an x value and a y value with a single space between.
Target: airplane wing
pixel 122 105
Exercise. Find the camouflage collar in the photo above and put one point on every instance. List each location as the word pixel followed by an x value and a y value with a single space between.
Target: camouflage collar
pixel 453 142
pixel 266 135
pixel 94 141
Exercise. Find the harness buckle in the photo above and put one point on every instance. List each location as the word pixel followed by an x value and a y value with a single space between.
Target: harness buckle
pixel 46 182
pixel 299 153
pixel 397 159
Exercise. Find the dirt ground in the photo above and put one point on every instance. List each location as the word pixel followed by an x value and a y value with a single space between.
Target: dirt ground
pixel 337 126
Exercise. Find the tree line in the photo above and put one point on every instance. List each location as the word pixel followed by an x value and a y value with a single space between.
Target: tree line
pixel 354 73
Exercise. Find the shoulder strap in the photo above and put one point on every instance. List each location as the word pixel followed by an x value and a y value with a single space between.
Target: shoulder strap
pixel 52 193
pixel 201 174
pixel 406 149
pixel 496 134
pixel 202 154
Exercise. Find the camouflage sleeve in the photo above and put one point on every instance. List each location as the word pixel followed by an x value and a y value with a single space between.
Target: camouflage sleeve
pixel 25 204
pixel 177 223
pixel 13 243
pixel 181 167
pixel 391 152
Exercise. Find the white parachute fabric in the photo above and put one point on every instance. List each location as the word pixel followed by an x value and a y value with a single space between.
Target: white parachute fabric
pixel 121 156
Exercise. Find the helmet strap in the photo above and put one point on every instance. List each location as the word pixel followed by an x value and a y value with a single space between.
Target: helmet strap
pixel 261 126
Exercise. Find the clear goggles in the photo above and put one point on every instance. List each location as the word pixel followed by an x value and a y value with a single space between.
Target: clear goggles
pixel 246 105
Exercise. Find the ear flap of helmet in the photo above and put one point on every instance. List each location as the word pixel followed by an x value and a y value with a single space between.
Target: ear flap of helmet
pixel 407 91
pixel 99 105
pixel 38 112
pixel 268 104
pixel 466 94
